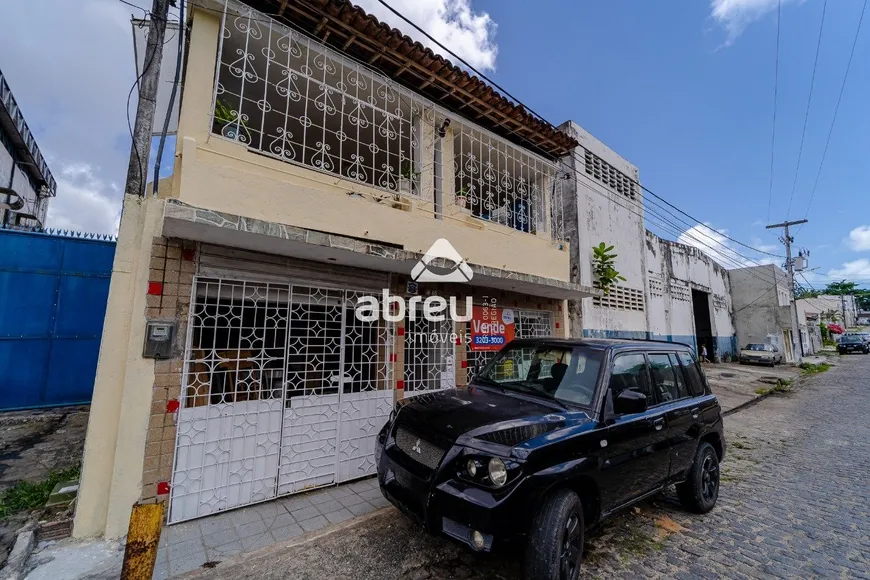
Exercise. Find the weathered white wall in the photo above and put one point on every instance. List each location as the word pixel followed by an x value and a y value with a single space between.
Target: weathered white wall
pixel 604 215
pixel 673 271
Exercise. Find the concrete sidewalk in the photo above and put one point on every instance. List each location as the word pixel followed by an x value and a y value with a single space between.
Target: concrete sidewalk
pixel 737 385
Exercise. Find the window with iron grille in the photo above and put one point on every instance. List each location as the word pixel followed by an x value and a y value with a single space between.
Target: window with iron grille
pixel 502 183
pixel 288 96
pixel 610 176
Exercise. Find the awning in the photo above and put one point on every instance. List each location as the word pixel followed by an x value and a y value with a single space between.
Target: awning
pixel 203 225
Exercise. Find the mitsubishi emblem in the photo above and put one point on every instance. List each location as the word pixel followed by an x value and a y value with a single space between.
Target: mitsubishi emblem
pixel 416 447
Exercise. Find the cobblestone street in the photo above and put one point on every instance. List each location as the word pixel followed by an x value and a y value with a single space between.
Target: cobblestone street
pixel 794 503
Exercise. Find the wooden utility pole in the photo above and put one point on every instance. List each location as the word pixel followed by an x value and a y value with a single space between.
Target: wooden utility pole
pixel 787 240
pixel 137 170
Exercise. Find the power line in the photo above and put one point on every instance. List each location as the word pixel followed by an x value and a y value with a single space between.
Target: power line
pixel 724 252
pixel 836 108
pixel 775 91
pixel 807 114
pixel 496 85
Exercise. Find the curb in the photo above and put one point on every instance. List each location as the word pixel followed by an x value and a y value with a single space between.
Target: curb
pixel 24 544
pixel 758 398
pixel 293 543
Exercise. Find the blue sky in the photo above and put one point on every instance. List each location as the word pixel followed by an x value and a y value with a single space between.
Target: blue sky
pixel 681 88
pixel 669 88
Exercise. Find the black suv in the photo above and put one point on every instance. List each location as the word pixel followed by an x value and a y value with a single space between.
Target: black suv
pixel 550 438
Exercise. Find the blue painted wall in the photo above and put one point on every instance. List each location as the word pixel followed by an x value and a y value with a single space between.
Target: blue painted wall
pixel 53 293
pixel 724 344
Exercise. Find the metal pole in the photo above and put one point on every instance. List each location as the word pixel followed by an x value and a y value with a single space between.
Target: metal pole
pixel 137 170
pixel 795 323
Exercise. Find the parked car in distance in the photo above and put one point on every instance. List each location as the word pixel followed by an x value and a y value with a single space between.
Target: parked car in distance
pixel 852 343
pixel 756 352
pixel 549 439
pixel 865 336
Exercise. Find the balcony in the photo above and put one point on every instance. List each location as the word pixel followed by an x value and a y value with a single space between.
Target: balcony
pixel 284 95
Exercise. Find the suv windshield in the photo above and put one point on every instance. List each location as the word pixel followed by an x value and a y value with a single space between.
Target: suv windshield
pixel 557 372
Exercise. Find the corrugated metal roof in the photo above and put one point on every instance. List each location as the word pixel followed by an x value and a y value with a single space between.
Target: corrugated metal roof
pixel 351 30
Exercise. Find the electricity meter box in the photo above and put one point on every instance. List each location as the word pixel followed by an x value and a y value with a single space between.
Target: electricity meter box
pixel 158 339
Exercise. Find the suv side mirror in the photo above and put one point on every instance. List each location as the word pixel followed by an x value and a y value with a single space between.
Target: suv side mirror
pixel 628 402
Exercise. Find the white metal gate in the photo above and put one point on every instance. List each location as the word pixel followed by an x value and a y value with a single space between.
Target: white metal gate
pixel 430 355
pixel 285 390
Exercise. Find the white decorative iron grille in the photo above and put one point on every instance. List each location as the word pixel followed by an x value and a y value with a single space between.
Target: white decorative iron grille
pixel 288 96
pixel 502 183
pixel 285 390
pixel 429 355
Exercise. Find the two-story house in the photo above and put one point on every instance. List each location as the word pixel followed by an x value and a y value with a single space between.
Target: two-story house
pixel 320 155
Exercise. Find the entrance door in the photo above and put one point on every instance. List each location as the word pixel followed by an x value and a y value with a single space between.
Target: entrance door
pixel 285 391
pixel 430 355
pixel 789 345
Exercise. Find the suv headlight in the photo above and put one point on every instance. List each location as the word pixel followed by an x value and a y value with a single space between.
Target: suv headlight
pixel 498 474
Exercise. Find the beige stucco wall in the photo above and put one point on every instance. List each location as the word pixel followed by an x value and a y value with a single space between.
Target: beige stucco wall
pixel 112 467
pixel 223 175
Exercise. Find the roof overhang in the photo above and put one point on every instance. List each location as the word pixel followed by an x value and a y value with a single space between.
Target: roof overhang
pixel 202 225
pixel 350 30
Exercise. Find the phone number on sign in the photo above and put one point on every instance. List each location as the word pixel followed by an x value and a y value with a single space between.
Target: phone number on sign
pixel 488 340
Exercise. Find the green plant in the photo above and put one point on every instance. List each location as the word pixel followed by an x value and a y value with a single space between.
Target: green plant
pixel 603 267
pixel 224 114
pixel 406 170
pixel 26 495
pixel 813 369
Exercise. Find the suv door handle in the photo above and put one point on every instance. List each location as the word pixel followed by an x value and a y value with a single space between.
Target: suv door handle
pixel 659 423
pixel 695 412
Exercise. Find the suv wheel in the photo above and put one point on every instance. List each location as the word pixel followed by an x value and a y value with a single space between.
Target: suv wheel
pixel 555 544
pixel 701 488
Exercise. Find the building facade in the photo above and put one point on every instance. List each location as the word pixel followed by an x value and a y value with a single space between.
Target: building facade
pixel 317 168
pixel 671 291
pixel 689 298
pixel 763 310
pixel 24 175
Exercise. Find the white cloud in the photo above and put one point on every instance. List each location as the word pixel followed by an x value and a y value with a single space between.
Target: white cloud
pixel 86 203
pixel 713 243
pixel 859 238
pixel 854 271
pixel 71 83
pixel 736 15
pixel 453 23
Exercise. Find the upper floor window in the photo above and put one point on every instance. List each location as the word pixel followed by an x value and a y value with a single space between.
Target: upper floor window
pixel 286 95
pixel 500 182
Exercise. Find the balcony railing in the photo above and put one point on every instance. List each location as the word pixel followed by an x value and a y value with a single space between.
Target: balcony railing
pixel 285 95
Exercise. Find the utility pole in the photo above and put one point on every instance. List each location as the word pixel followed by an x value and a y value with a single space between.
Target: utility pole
pixel 843 306
pixel 787 240
pixel 137 170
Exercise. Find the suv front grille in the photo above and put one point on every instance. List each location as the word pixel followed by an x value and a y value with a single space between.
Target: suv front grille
pixel 516 435
pixel 418 448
